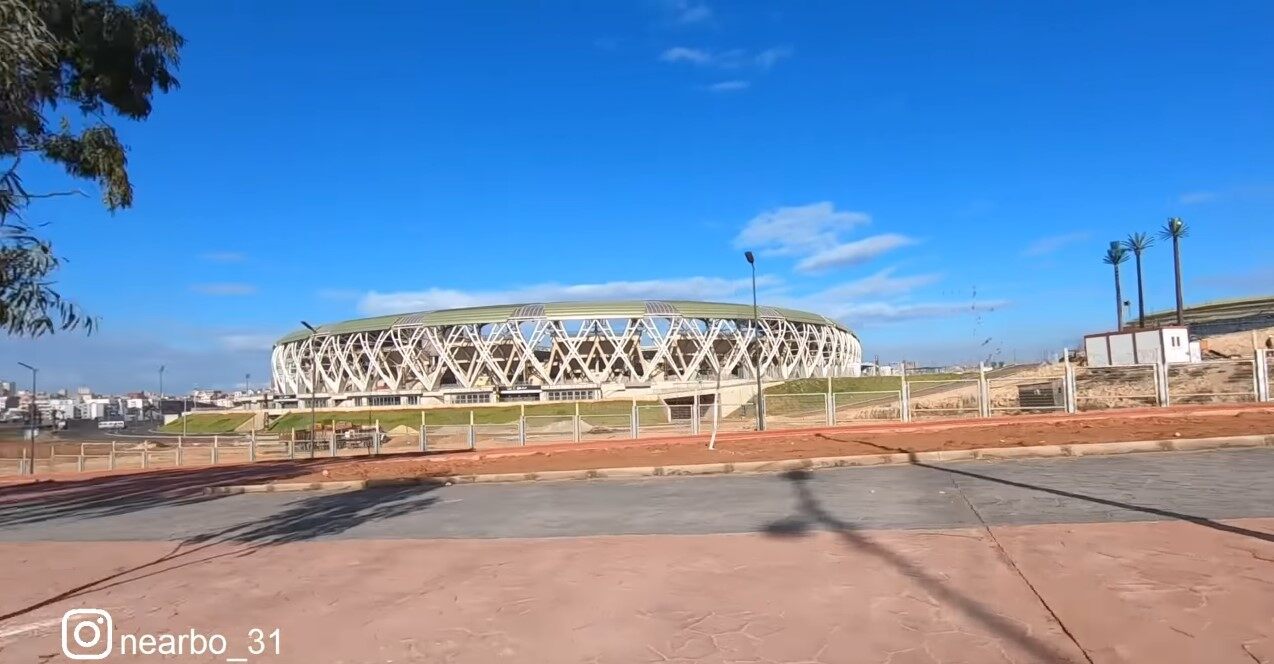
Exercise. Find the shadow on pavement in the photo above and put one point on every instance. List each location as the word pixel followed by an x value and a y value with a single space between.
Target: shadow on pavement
pixel 113 495
pixel 322 515
pixel 1156 511
pixel 812 515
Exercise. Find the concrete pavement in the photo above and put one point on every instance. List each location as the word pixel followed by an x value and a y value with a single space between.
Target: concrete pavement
pixel 1157 557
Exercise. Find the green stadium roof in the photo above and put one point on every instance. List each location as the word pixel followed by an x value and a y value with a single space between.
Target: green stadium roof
pixel 600 309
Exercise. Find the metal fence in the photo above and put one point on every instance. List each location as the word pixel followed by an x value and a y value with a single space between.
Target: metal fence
pixel 1056 388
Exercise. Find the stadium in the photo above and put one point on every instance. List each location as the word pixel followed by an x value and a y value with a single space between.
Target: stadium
pixel 554 351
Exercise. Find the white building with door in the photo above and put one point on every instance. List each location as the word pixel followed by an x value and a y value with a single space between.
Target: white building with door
pixel 1163 345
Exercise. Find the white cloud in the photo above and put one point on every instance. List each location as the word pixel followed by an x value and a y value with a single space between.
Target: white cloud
pixel 735 58
pixel 769 57
pixel 881 283
pixel 729 86
pixel 688 13
pixel 228 288
pixel 1053 243
pixel 684 54
pixel 690 288
pixel 1196 197
pixel 853 253
pixel 795 230
pixel 224 256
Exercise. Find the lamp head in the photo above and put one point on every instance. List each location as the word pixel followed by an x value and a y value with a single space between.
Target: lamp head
pixel 751 259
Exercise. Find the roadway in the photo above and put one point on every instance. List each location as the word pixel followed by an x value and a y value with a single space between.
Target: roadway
pixel 1204 486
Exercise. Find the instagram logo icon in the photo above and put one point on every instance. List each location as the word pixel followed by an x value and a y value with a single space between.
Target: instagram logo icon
pixel 87 634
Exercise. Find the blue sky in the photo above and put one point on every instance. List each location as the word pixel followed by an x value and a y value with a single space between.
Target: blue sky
pixel 934 174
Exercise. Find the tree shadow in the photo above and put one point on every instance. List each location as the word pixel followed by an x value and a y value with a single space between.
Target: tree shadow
pixel 323 515
pixel 812 515
pixel 114 495
pixel 1154 511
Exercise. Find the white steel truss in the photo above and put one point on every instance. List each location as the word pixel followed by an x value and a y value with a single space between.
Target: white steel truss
pixel 551 351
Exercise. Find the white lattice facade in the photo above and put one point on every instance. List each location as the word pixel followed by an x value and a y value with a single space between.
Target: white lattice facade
pixel 559 346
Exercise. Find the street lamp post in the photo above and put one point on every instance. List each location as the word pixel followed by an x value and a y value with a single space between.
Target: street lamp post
pixel 313 386
pixel 31 432
pixel 756 334
pixel 161 394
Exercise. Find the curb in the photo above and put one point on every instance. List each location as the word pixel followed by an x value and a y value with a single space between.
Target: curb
pixel 901 458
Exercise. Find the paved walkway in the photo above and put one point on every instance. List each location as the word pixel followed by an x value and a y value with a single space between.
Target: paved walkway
pixel 1146 558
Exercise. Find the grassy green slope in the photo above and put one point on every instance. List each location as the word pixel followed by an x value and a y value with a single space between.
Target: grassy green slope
pixel 207 423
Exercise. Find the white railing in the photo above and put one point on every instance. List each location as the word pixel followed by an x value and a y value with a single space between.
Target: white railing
pixel 1066 389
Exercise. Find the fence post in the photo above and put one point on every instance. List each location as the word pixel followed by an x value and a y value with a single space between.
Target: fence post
pixel 1161 384
pixel 694 412
pixel 79 463
pixel 376 439
pixel 332 446
pixel 635 426
pixel 22 463
pixel 1261 371
pixel 904 394
pixel 179 449
pixel 252 445
pixel 292 445
pixel 473 439
pixel 831 408
pixel 111 464
pixel 984 392
pixel 575 425
pixel 423 433
pixel 522 424
pixel 145 445
pixel 214 450
pixel 1069 397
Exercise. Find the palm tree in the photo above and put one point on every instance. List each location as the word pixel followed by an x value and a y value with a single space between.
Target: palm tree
pixel 1137 243
pixel 1174 230
pixel 1114 256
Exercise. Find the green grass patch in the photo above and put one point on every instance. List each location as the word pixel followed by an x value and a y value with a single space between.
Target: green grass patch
pixel 207 423
pixel 459 415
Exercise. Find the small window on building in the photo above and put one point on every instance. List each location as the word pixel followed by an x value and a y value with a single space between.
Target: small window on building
pixel 471 397
pixel 571 395
pixel 411 399
pixel 384 401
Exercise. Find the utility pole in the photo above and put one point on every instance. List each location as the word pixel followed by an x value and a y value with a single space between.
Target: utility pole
pixel 161 394
pixel 756 334
pixel 313 388
pixel 34 426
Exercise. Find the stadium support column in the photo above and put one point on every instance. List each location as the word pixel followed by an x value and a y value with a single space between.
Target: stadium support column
pixel 756 336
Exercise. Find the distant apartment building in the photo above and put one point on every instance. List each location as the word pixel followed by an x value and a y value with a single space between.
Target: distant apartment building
pixel 97 408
